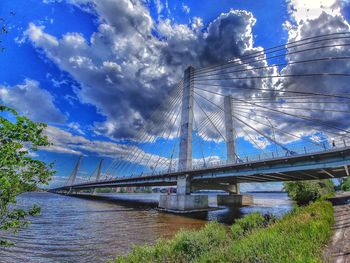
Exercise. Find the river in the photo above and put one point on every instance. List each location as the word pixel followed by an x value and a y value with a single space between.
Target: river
pixel 72 229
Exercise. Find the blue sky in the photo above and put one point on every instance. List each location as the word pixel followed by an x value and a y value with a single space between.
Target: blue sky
pixel 38 78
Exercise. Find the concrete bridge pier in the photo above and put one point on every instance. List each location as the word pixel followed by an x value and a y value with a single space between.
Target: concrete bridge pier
pixel 183 201
pixel 234 197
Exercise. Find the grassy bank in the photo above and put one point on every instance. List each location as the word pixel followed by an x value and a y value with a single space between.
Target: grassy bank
pixel 298 237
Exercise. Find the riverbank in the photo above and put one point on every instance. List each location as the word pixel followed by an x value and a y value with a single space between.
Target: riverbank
pixel 298 237
pixel 338 249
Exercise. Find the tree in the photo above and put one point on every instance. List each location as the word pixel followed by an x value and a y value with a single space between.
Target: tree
pixel 304 192
pixel 19 172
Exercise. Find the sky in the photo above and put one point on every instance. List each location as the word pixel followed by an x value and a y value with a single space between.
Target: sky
pixel 95 70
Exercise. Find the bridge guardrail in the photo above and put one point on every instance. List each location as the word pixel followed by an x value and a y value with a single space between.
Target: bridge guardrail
pixel 292 151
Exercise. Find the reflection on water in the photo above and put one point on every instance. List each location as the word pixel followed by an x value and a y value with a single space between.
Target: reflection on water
pixel 82 230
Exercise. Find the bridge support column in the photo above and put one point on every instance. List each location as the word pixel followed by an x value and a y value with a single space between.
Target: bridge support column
pixel 232 198
pixel 235 199
pixel 183 185
pixel 233 189
pixel 183 201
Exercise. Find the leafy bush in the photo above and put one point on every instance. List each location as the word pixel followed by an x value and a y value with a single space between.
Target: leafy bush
pixel 298 237
pixel 345 185
pixel 304 192
pixel 247 224
pixel 184 247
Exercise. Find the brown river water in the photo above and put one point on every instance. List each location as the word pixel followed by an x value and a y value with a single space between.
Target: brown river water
pixel 72 229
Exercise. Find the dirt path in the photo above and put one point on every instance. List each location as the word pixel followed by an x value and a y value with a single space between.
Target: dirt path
pixel 338 250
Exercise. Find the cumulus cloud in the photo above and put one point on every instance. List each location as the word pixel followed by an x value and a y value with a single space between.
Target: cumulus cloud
pixel 325 19
pixel 312 9
pixel 25 97
pixel 186 8
pixel 67 143
pixel 131 63
pixel 126 70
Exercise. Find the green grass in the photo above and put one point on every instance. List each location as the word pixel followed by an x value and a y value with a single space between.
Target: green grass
pixel 298 237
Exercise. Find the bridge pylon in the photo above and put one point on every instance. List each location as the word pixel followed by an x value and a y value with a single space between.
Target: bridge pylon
pixel 73 176
pixel 98 175
pixel 183 200
pixel 230 131
pixel 185 153
pixel 231 149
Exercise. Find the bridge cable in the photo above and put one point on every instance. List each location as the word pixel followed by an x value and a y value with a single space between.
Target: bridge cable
pixel 286 113
pixel 175 92
pixel 266 136
pixel 139 151
pixel 173 124
pixel 325 59
pixel 262 53
pixel 146 136
pixel 284 91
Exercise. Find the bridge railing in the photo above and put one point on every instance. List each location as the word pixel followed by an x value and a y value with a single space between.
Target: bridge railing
pixel 266 155
pixel 279 153
pixel 269 155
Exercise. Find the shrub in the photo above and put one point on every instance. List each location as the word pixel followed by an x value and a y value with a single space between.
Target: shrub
pixel 304 192
pixel 298 237
pixel 184 247
pixel 247 224
pixel 345 184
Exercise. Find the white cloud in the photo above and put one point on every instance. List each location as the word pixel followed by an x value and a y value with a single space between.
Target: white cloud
pixel 186 8
pixel 311 9
pixel 159 6
pixel 67 143
pixel 25 97
pixel 315 18
pixel 76 127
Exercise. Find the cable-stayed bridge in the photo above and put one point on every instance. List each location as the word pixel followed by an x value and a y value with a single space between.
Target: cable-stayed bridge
pixel 197 137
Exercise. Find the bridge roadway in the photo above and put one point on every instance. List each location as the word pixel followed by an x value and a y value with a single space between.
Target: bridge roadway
pixel 331 163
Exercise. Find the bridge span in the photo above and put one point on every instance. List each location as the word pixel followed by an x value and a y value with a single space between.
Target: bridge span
pixel 333 163
pixel 234 102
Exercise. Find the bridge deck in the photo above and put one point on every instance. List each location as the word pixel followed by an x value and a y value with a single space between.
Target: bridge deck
pixel 318 165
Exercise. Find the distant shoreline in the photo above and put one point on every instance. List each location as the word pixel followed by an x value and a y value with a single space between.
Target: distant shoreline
pixel 266 192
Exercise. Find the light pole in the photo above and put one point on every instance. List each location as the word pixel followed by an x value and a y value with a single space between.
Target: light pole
pixel 273 134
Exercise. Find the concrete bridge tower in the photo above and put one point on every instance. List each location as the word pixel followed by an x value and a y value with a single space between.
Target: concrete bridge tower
pixel 230 131
pixel 230 138
pixel 183 200
pixel 98 175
